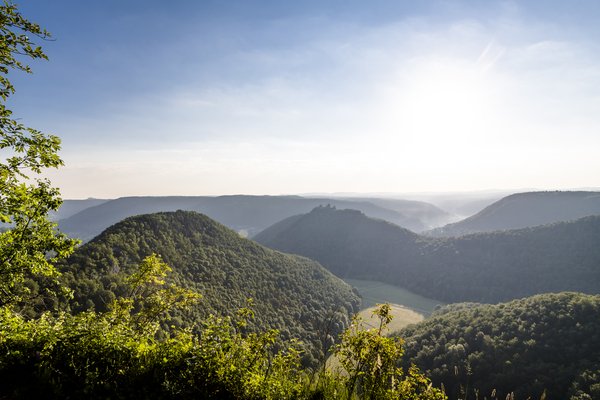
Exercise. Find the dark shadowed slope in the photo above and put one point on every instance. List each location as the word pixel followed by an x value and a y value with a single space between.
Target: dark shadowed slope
pixel 291 293
pixel 249 214
pixel 347 242
pixel 523 210
pixel 487 267
pixel 547 342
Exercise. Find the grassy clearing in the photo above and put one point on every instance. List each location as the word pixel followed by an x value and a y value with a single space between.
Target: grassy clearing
pixel 373 293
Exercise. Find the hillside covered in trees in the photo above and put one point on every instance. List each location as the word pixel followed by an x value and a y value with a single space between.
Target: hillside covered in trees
pixel 522 210
pixel 546 343
pixel 292 294
pixel 487 267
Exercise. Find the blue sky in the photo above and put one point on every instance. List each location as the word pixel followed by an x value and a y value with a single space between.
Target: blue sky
pixel 274 97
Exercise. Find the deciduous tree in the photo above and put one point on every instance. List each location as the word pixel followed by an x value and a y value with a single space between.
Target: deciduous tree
pixel 29 242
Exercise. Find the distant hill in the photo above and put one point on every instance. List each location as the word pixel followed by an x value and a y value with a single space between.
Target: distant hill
pixel 428 214
pixel 293 294
pixel 548 342
pixel 488 267
pixel 255 213
pixel 524 210
pixel 247 214
pixel 72 207
pixel 461 204
pixel 92 221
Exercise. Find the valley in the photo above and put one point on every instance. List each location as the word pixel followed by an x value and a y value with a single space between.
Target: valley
pixel 379 263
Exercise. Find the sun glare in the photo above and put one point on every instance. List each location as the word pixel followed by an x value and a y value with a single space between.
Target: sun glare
pixel 442 112
pixel 445 101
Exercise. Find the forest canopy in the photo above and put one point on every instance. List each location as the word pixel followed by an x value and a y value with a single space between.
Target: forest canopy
pixel 548 343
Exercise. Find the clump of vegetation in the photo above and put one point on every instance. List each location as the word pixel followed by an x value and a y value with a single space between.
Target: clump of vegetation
pixel 123 353
pixel 370 363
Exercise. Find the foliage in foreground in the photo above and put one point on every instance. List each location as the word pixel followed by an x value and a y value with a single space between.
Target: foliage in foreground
pixel 119 354
pixel 370 363
pixel 25 199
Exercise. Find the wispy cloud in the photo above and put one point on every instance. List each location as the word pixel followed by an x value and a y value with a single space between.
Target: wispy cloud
pixel 412 104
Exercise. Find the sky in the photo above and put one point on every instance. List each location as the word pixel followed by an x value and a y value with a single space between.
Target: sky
pixel 275 97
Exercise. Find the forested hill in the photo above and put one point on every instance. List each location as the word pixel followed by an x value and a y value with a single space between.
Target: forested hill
pixel 291 293
pixel 488 267
pixel 346 242
pixel 524 210
pixel 547 342
pixel 250 214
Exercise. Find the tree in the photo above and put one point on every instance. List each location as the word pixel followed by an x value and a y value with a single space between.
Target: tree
pixel 370 361
pixel 29 243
